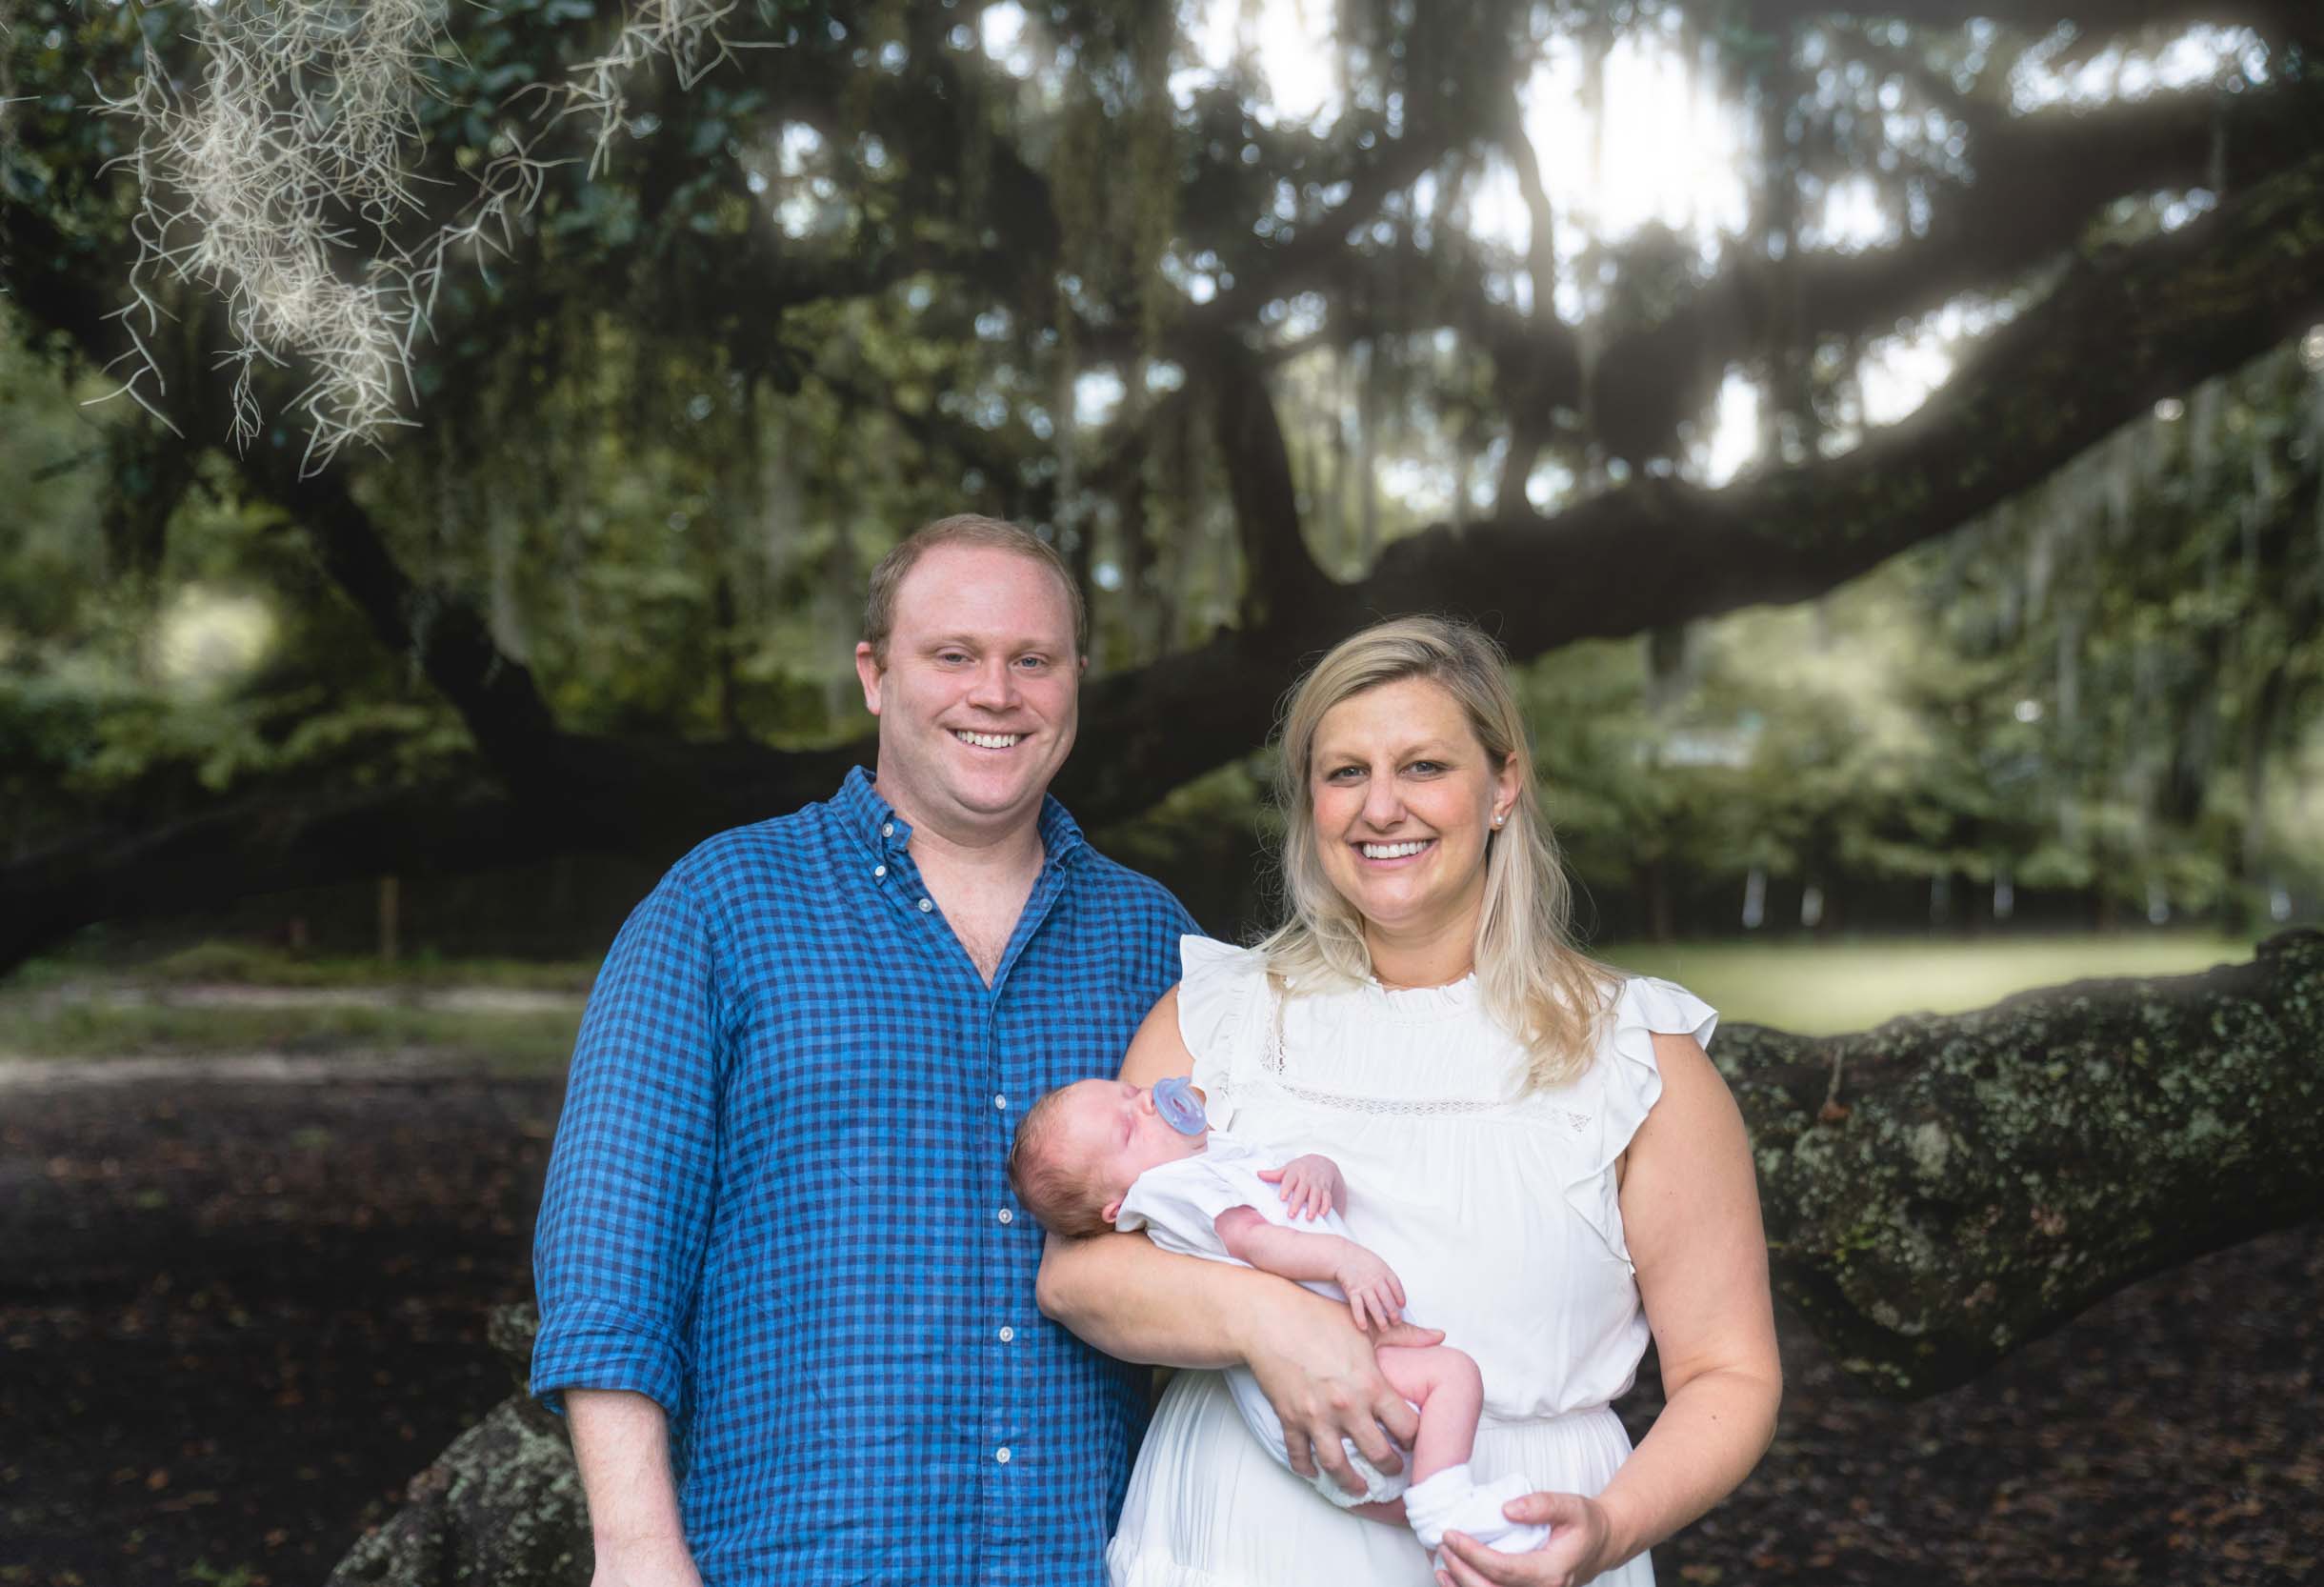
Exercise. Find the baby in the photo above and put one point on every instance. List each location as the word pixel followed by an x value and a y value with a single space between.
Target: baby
pixel 1105 1154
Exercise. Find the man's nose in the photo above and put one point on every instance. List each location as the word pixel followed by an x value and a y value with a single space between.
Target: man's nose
pixel 996 685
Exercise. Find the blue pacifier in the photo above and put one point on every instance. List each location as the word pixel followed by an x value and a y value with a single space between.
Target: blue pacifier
pixel 1174 1100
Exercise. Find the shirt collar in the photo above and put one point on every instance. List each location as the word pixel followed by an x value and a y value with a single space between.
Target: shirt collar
pixel 875 822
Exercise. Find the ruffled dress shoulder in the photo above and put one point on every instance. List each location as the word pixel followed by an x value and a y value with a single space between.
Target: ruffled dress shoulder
pixel 1225 1009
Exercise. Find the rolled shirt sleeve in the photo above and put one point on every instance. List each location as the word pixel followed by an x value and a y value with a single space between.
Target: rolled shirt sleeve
pixel 626 1212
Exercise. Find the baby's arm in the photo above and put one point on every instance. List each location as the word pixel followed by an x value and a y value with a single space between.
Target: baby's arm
pixel 1375 1294
pixel 1312 1186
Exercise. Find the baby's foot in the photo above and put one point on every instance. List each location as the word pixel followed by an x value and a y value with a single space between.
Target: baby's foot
pixel 1453 1501
pixel 1480 1517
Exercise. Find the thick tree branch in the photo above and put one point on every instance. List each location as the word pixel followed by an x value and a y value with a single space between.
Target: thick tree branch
pixel 649 798
pixel 2041 181
pixel 450 639
pixel 2120 331
pixel 1312 256
pixel 1279 572
pixel 1983 1178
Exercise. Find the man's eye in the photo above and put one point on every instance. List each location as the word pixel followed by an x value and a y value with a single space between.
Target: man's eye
pixel 1034 663
pixel 951 657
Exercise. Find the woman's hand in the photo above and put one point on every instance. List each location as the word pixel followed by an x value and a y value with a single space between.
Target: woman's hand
pixel 1320 1375
pixel 1579 1539
pixel 1311 1185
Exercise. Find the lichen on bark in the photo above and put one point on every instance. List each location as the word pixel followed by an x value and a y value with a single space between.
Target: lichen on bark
pixel 501 1507
pixel 1977 1180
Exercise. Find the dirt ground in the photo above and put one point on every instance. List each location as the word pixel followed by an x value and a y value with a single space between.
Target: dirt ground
pixel 238 1309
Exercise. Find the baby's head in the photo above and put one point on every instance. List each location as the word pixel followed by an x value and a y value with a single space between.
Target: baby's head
pixel 1079 1149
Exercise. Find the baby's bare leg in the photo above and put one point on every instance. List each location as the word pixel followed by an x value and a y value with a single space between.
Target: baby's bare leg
pixel 1444 1382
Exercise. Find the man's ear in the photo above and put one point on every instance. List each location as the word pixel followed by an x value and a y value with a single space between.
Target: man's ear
pixel 867 670
pixel 1111 1210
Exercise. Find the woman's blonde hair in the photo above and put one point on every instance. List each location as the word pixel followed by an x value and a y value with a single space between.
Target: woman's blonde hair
pixel 1537 984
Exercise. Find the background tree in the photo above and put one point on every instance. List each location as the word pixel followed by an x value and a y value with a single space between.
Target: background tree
pixel 548 378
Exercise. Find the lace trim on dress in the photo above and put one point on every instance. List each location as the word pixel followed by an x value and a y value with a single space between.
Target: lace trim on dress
pixel 1274 1062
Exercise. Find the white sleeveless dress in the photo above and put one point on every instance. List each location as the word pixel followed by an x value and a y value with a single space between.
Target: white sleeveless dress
pixel 1501 1209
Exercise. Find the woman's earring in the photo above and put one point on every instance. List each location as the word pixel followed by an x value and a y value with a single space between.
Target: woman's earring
pixel 1499 819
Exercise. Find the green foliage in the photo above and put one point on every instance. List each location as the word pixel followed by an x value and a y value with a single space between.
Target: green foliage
pixel 671 413
pixel 2113 686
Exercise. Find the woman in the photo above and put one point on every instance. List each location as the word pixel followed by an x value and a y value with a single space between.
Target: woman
pixel 1535 1143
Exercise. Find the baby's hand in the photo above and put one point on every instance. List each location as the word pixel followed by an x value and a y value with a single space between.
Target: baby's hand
pixel 1375 1292
pixel 1311 1185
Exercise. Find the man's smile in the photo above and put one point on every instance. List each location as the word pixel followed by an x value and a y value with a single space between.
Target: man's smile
pixel 988 740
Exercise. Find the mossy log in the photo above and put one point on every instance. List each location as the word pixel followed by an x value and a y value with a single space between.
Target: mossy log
pixel 1937 1192
pixel 501 1507
pixel 1942 1188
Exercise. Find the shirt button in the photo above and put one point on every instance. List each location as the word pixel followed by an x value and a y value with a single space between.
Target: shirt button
pixel 1006 1216
pixel 1007 1333
pixel 999 1101
pixel 887 829
pixel 926 906
pixel 880 870
pixel 1001 1455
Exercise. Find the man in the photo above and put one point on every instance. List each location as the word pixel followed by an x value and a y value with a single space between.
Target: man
pixel 786 1299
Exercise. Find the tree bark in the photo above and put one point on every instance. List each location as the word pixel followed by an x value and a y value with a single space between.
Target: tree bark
pixel 1980 1180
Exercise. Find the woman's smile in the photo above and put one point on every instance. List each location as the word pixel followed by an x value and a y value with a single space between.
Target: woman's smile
pixel 1394 853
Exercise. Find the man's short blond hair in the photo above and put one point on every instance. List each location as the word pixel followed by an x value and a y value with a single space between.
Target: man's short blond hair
pixel 963 529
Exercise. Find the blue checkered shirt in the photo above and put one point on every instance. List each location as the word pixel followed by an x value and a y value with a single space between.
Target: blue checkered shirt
pixel 777 1204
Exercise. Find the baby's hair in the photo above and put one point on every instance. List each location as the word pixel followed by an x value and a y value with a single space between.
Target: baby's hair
pixel 1066 1198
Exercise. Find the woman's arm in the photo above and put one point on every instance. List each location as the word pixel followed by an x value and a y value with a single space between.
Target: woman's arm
pixel 1129 1300
pixel 1691 1217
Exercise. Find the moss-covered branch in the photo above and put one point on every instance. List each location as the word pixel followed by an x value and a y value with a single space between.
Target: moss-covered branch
pixel 1972 1181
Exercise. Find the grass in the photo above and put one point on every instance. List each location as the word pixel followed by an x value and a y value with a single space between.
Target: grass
pixel 250 964
pixel 1820 989
pixel 1809 986
pixel 530 1043
pixel 244 964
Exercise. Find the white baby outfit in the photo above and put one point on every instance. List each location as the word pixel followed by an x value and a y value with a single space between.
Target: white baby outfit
pixel 1178 1203
pixel 1499 1207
